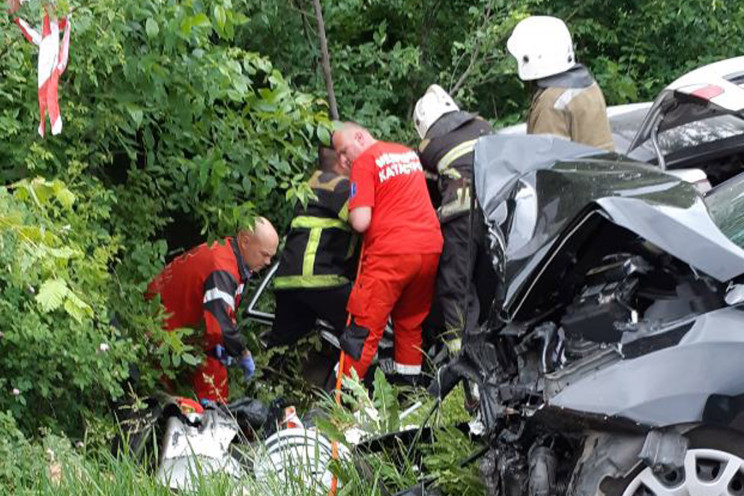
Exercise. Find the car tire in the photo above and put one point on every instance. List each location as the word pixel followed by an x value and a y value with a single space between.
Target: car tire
pixel 714 465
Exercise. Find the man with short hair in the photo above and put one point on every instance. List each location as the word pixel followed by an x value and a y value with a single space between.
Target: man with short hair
pixel 315 268
pixel 202 288
pixel 390 204
pixel 567 101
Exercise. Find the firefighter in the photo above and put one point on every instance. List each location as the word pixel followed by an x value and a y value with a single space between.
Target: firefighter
pixel 567 101
pixel 313 278
pixel 390 204
pixel 202 288
pixel 446 151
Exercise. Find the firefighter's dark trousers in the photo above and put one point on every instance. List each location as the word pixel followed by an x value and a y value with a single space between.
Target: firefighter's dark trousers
pixel 465 274
pixel 298 309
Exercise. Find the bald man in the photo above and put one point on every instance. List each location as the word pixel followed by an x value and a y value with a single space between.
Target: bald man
pixel 202 289
pixel 389 202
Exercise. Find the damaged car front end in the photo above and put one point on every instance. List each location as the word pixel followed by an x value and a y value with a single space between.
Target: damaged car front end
pixel 611 363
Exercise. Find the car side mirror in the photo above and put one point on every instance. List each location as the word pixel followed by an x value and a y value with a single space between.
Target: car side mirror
pixel 735 294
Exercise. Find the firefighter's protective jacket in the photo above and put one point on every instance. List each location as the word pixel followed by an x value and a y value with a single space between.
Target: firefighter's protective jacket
pixel 447 152
pixel 320 243
pixel 204 286
pixel 571 105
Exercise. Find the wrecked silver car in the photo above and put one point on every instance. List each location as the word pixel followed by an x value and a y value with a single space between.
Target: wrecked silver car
pixel 611 363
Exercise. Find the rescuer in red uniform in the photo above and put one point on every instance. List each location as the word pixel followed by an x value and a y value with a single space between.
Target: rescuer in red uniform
pixel 202 288
pixel 389 203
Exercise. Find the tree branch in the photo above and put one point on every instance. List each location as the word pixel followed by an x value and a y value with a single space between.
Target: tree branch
pixel 476 52
pixel 306 28
pixel 325 60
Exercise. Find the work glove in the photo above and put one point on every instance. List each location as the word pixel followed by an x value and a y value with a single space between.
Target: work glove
pixel 246 363
pixel 221 354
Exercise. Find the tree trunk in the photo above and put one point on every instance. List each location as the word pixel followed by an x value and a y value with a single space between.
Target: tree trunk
pixel 325 60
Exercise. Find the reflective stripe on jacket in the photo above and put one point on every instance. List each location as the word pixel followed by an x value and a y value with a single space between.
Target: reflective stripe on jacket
pixel 320 243
pixel 579 114
pixel 447 152
pixel 203 286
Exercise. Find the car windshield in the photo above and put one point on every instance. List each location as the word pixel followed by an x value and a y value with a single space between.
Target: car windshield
pixel 726 206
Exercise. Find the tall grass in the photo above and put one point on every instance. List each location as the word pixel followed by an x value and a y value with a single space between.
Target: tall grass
pixel 53 466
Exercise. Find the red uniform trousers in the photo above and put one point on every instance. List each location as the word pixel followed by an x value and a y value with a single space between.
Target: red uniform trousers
pixel 210 381
pixel 396 285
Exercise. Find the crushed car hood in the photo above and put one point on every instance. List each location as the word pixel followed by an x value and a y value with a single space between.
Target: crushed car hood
pixel 533 189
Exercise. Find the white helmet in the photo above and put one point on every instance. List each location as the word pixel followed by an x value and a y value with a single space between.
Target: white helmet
pixel 542 46
pixel 434 104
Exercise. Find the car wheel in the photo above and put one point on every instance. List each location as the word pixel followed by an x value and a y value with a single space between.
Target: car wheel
pixel 713 466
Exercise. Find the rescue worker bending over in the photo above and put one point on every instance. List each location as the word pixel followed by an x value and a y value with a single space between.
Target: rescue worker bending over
pixel 202 288
pixel 446 151
pixel 313 279
pixel 390 204
pixel 567 101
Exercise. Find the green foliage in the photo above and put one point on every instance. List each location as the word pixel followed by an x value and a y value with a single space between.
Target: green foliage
pixel 443 459
pixel 60 351
pixel 170 130
pixel 386 52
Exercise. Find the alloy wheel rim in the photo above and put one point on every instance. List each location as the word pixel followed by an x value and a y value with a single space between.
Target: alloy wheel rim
pixel 706 472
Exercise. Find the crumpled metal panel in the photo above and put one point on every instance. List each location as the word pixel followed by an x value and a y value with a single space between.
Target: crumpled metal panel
pixel 670 386
pixel 564 181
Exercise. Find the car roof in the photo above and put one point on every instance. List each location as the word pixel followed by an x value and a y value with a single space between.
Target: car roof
pixel 727 74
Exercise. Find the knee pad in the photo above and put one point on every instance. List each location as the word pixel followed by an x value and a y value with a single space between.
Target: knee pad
pixel 352 340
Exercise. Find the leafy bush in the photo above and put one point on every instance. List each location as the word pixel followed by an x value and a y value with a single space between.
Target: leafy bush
pixel 59 352
pixel 171 135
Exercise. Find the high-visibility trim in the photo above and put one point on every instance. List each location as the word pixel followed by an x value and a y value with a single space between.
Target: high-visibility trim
pixel 308 261
pixel 315 182
pixel 321 281
pixel 309 222
pixel 218 294
pixel 562 101
pixel 404 369
pixel 462 149
pixel 456 206
pixel 344 213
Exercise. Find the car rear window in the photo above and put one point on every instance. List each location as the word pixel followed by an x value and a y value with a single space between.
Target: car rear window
pixel 726 206
pixel 700 132
pixel 682 137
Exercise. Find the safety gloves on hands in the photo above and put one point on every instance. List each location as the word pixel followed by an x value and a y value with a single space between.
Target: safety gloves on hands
pixel 221 354
pixel 246 363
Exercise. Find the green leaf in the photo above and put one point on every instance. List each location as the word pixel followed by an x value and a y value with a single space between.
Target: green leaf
pixel 200 20
pixel 324 135
pixel 52 294
pixel 77 308
pixel 65 197
pixel 152 28
pixel 186 25
pixel 190 359
pixel 136 114
pixel 220 16
pixel 386 402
